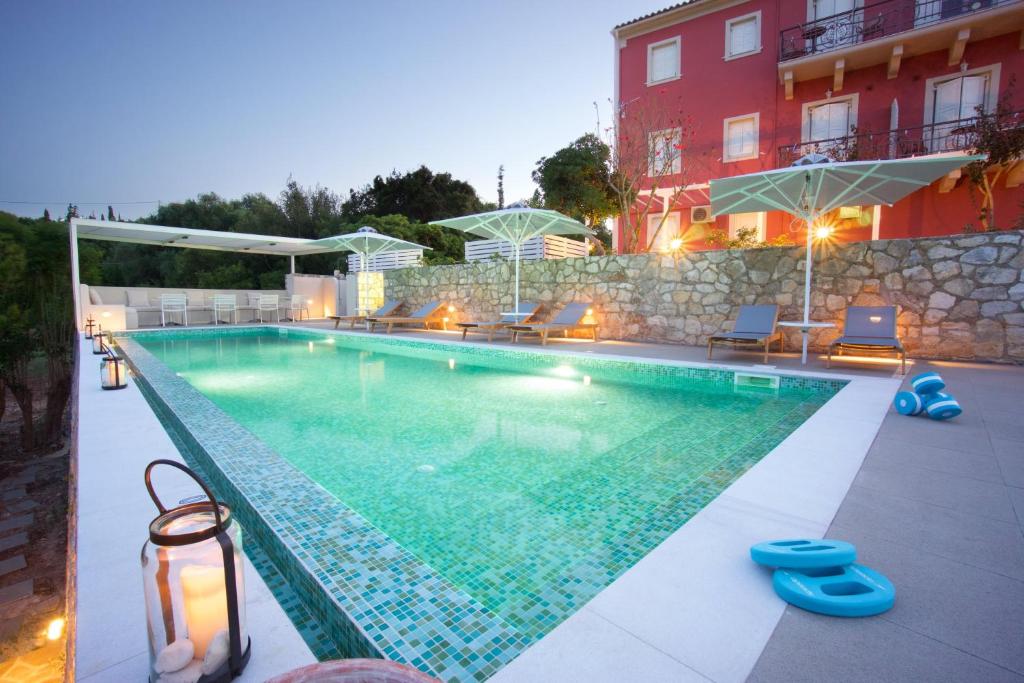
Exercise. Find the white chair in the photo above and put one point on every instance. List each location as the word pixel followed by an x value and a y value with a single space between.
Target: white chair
pixel 298 304
pixel 268 303
pixel 172 305
pixel 225 303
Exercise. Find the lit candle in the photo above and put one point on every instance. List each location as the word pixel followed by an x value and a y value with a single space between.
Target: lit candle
pixel 206 604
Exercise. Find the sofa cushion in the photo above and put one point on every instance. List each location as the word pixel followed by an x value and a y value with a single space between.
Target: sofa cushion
pixel 94 297
pixel 138 299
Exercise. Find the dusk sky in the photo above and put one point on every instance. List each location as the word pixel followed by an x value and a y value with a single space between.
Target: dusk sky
pixel 117 102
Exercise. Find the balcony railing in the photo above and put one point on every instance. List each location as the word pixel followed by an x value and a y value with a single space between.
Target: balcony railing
pixel 872 21
pixel 933 138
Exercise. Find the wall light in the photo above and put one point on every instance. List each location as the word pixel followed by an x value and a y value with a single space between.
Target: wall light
pixel 875 318
pixel 451 309
pixel 451 363
pixel 676 244
pixel 105 314
pixel 586 380
pixel 823 232
pixel 311 347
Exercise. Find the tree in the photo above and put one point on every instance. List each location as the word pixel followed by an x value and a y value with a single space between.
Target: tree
pixel 1000 137
pixel 46 214
pixel 574 181
pixel 501 186
pixel 110 213
pixel 421 196
pixel 651 164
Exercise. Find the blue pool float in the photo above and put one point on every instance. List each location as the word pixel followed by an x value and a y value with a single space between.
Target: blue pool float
pixel 850 591
pixel 942 407
pixel 908 403
pixel 803 553
pixel 928 383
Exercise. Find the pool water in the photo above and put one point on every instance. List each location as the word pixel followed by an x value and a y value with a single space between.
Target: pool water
pixel 530 485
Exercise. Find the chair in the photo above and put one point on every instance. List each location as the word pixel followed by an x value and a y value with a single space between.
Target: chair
pixel 869 328
pixel 755 326
pixel 526 311
pixel 171 305
pixel 568 319
pixel 387 309
pixel 297 304
pixel 424 316
pixel 266 304
pixel 225 303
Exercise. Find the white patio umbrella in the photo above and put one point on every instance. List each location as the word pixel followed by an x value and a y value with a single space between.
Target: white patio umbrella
pixel 815 185
pixel 367 242
pixel 516 225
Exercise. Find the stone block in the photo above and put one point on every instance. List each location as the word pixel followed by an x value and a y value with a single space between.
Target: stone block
pixel 979 255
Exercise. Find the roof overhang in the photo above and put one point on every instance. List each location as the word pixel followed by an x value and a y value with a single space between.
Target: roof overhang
pixel 194 238
pixel 678 13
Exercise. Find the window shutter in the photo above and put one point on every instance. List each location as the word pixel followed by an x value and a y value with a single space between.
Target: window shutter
pixel 743 36
pixel 664 62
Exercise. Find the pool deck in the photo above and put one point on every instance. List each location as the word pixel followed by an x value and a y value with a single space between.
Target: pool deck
pixel 937 507
pixel 118 436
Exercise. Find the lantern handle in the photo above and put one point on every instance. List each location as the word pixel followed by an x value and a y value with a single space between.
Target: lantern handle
pixel 160 506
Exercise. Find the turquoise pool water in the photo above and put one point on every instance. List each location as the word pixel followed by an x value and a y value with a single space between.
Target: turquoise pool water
pixel 529 484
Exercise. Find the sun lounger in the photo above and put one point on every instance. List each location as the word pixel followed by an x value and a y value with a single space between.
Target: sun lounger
pixel 388 308
pixel 424 316
pixel 755 326
pixel 568 320
pixel 869 328
pixel 526 311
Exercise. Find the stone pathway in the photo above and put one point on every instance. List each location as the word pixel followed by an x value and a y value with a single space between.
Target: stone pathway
pixel 29 598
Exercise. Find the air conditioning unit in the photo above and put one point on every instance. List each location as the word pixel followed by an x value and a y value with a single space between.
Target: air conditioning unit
pixel 701 214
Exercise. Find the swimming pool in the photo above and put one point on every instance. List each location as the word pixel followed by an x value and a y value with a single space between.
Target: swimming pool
pixel 520 483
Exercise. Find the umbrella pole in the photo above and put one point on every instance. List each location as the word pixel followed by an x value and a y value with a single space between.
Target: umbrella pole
pixel 515 300
pixel 807 294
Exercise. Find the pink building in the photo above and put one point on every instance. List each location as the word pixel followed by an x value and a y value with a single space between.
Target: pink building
pixel 763 82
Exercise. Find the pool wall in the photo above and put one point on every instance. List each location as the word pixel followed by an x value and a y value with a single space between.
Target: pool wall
pixel 330 555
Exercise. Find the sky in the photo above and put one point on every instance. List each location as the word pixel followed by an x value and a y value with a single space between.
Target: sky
pixel 122 102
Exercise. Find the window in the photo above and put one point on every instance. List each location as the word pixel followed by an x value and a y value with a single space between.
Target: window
pixel 839 22
pixel 740 136
pixel 664 152
pixel 821 9
pixel 663 61
pixel 950 99
pixel 743 35
pixel 750 223
pixel 660 240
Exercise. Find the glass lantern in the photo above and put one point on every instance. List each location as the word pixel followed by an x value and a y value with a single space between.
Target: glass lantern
pixel 192 571
pixel 99 344
pixel 90 324
pixel 113 373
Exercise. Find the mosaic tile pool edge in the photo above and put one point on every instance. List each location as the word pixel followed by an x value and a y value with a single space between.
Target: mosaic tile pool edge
pixel 429 623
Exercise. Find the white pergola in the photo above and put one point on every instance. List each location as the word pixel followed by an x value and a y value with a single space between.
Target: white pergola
pixel 188 238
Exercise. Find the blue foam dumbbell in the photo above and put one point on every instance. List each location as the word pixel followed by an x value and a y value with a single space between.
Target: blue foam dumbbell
pixel 908 403
pixel 928 383
pixel 942 406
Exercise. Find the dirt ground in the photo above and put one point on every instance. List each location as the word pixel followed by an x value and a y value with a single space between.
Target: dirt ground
pixel 33 548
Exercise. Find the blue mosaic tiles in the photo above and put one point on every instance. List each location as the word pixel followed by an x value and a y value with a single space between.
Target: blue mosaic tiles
pixel 442 533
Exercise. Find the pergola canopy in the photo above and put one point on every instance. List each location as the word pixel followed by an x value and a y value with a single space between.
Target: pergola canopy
pixel 194 238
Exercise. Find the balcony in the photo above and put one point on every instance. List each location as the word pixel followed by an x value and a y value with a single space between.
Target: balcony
pixel 934 138
pixel 888 31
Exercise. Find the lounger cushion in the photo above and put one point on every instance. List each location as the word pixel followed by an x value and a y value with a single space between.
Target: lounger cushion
pixel 138 299
pixel 869 341
pixel 745 336
pixel 94 297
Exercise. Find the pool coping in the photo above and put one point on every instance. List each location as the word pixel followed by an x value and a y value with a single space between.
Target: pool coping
pixel 751 505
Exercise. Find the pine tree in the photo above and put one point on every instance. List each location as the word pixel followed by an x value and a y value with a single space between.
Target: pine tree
pixel 110 213
pixel 46 214
pixel 501 186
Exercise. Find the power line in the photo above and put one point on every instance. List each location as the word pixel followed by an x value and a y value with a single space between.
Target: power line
pixel 8 201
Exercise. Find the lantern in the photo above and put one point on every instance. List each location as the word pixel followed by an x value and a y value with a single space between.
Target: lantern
pixel 113 373
pixel 89 325
pixel 192 571
pixel 99 344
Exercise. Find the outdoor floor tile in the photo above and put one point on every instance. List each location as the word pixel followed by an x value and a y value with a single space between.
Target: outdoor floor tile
pixel 8 542
pixel 943 434
pixel 971 609
pixel 1017 498
pixel 973 496
pixel 981 541
pixel 887 451
pixel 1010 456
pixel 810 648
pixel 12 564
pixel 16 591
pixel 1006 425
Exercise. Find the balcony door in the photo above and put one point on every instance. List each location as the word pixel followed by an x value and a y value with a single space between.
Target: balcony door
pixel 955 103
pixel 929 11
pixel 827 128
pixel 835 23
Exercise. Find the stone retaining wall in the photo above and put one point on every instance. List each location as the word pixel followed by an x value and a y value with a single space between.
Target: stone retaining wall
pixel 960 297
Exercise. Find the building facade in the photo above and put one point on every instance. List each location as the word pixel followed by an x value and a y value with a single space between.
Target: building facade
pixel 764 82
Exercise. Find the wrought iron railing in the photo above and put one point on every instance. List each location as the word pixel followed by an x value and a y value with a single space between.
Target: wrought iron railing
pixel 948 136
pixel 871 21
